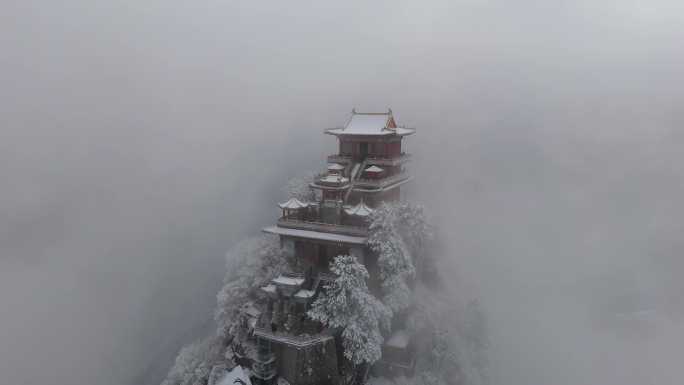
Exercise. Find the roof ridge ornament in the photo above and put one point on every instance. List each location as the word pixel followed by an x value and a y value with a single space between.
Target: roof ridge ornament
pixel 390 118
pixel 294 204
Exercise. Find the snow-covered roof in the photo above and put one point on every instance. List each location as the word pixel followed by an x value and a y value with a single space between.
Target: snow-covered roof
pixel 370 123
pixel 293 204
pixel 269 288
pixel 360 210
pixel 400 339
pixel 335 167
pixel 236 376
pixel 305 294
pixel 289 281
pixel 365 124
pixel 317 235
pixel 374 169
pixel 334 178
pixel 250 309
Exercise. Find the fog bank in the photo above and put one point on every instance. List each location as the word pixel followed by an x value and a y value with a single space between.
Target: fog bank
pixel 140 140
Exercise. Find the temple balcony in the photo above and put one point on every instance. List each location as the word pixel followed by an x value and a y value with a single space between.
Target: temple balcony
pixel 372 159
pixel 330 182
pixel 340 158
pixel 327 221
pixel 311 225
pixel 315 235
pixel 300 287
pixel 381 184
pixel 379 160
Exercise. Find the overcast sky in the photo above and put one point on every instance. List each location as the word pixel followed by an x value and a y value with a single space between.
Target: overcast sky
pixel 140 139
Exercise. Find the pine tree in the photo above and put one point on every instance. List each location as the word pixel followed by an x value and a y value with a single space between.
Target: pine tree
pixel 412 226
pixel 193 363
pixel 397 233
pixel 347 304
pixel 250 265
pixel 394 259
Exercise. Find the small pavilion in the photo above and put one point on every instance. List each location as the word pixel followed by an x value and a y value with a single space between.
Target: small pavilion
pixel 294 208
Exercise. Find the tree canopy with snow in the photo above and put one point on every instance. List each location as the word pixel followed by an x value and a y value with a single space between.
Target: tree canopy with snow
pixel 347 304
pixel 193 363
pixel 298 187
pixel 250 265
pixel 397 232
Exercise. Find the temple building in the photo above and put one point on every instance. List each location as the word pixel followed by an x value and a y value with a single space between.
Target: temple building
pixel 367 169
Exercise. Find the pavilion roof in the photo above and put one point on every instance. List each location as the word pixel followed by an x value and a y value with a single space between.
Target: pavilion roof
pixel 287 280
pixel 306 294
pixel 293 204
pixel 371 123
pixel 236 376
pixel 360 210
pixel 374 169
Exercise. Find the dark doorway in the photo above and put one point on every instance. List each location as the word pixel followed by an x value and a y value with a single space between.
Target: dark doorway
pixel 322 262
pixel 363 150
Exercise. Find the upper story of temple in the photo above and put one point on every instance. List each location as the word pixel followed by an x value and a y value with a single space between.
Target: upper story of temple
pixel 369 164
pixel 370 135
pixel 369 168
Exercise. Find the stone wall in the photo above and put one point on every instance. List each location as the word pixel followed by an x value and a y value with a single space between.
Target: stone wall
pixel 311 365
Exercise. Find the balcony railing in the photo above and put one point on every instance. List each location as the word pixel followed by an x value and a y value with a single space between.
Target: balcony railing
pixel 380 160
pixel 339 158
pixel 383 160
pixel 319 182
pixel 381 182
pixel 303 224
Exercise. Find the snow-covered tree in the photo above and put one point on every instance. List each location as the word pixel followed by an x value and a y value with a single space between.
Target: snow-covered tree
pixel 298 187
pixel 250 265
pixel 193 363
pixel 394 259
pixel 347 304
pixel 397 233
pixel 412 225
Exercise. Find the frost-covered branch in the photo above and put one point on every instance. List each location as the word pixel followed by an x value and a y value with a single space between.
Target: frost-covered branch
pixel 298 187
pixel 250 265
pixel 397 233
pixel 193 363
pixel 347 304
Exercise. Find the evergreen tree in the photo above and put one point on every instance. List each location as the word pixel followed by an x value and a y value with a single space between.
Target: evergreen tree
pixel 193 363
pixel 347 304
pixel 394 259
pixel 251 264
